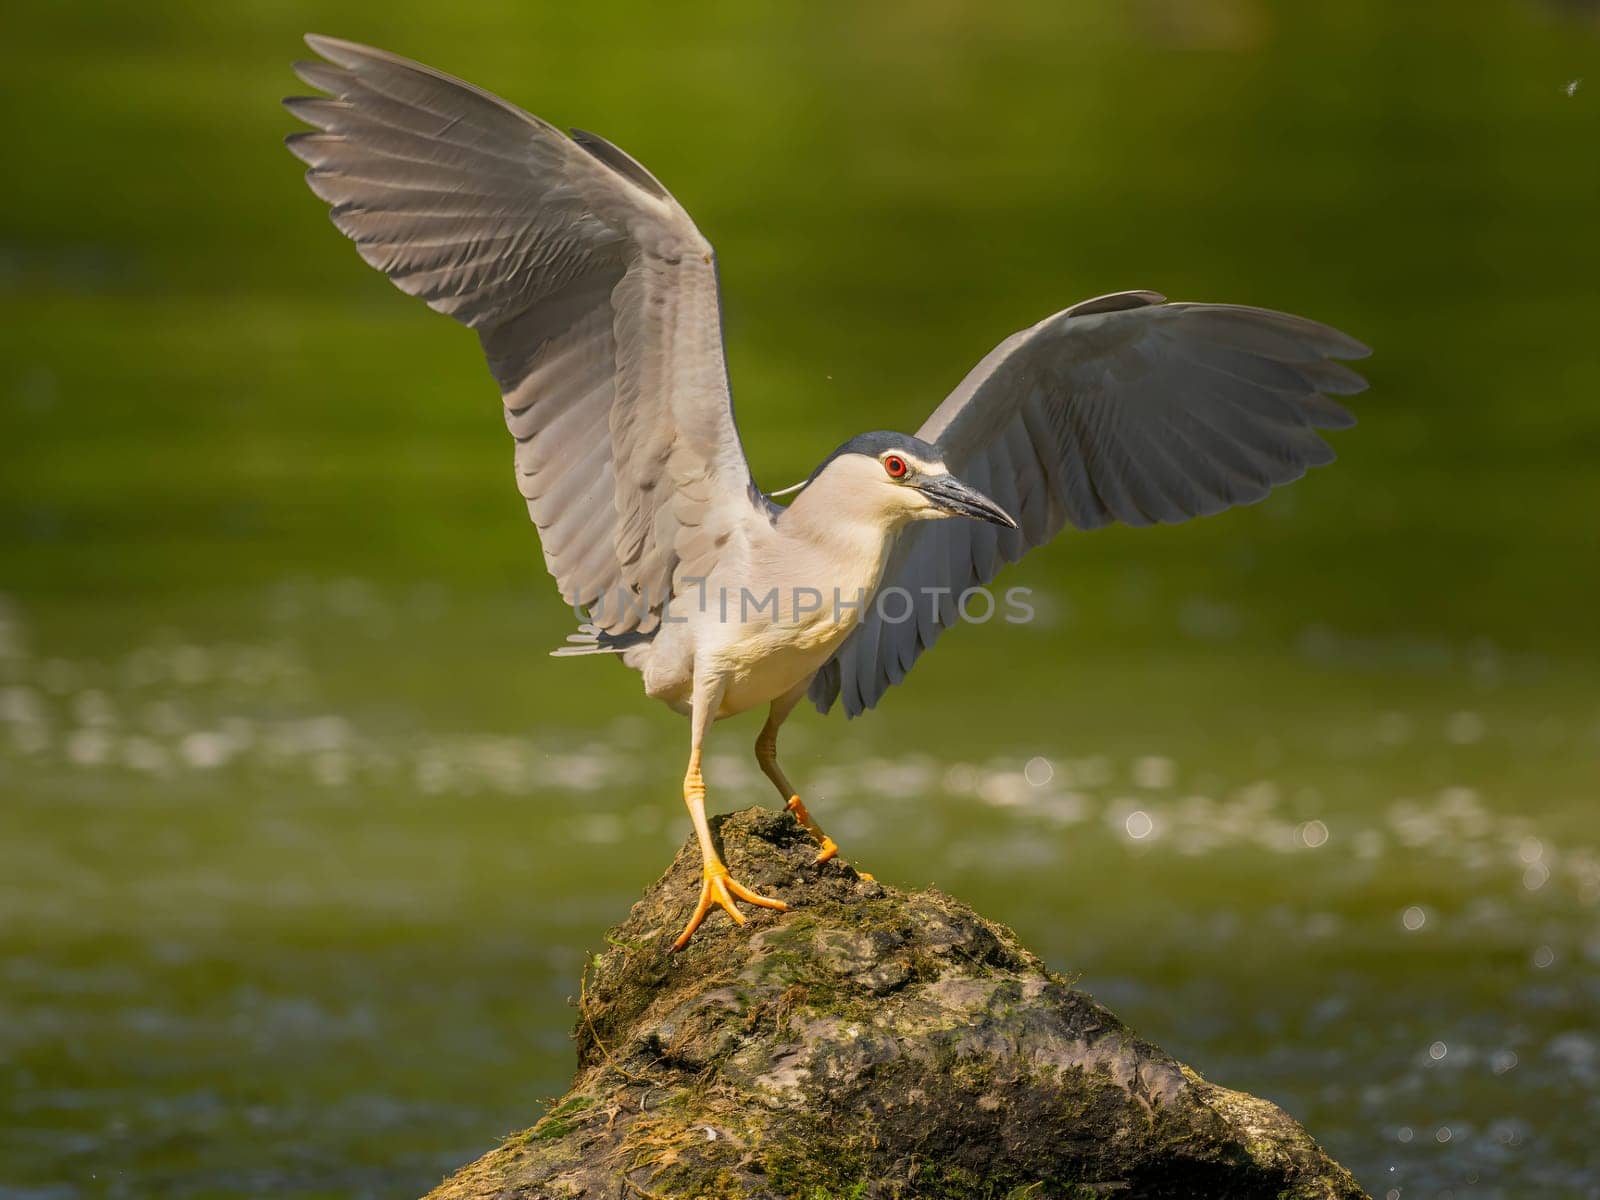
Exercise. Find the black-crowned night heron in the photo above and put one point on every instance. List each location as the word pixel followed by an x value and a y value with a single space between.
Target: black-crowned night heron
pixel 595 298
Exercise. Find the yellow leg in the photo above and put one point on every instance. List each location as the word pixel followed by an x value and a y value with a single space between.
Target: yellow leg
pixel 717 886
pixel 767 756
pixel 827 846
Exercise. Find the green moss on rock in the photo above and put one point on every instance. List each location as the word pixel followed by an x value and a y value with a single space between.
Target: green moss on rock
pixel 873 1045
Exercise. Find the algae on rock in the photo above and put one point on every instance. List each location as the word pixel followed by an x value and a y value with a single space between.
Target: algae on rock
pixel 870 1043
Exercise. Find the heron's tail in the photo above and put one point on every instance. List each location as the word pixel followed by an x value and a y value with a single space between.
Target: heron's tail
pixel 589 640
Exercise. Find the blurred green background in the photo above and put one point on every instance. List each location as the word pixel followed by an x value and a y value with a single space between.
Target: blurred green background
pixel 303 838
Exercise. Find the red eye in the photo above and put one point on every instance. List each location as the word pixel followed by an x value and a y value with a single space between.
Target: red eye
pixel 896 466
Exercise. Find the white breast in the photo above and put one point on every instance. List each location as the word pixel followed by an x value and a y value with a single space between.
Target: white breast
pixel 808 595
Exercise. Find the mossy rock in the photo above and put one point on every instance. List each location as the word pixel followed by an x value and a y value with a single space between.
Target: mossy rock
pixel 870 1043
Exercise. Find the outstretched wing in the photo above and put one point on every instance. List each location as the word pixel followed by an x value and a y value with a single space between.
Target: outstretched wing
pixel 595 298
pixel 1123 408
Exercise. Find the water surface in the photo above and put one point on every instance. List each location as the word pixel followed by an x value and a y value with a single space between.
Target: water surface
pixel 302 837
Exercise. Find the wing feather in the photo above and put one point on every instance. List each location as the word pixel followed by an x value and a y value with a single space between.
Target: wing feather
pixel 1122 408
pixel 592 292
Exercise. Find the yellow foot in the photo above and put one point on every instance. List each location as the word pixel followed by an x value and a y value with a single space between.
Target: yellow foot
pixel 827 847
pixel 719 887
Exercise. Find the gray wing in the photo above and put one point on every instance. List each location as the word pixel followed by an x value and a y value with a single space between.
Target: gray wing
pixel 1123 408
pixel 595 298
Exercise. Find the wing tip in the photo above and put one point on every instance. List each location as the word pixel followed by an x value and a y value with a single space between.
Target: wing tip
pixel 1329 414
pixel 301 108
pixel 1343 345
pixel 331 47
pixel 1113 302
pixel 296 140
pixel 351 56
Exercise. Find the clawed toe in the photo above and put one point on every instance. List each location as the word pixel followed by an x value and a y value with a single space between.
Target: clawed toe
pixel 720 888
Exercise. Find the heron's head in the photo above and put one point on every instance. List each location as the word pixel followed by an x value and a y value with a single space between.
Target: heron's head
pixel 896 478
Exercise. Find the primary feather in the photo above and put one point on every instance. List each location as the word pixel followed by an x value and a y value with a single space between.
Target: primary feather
pixel 592 292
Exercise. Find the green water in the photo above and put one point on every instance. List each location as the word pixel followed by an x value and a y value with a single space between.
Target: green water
pixel 303 838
